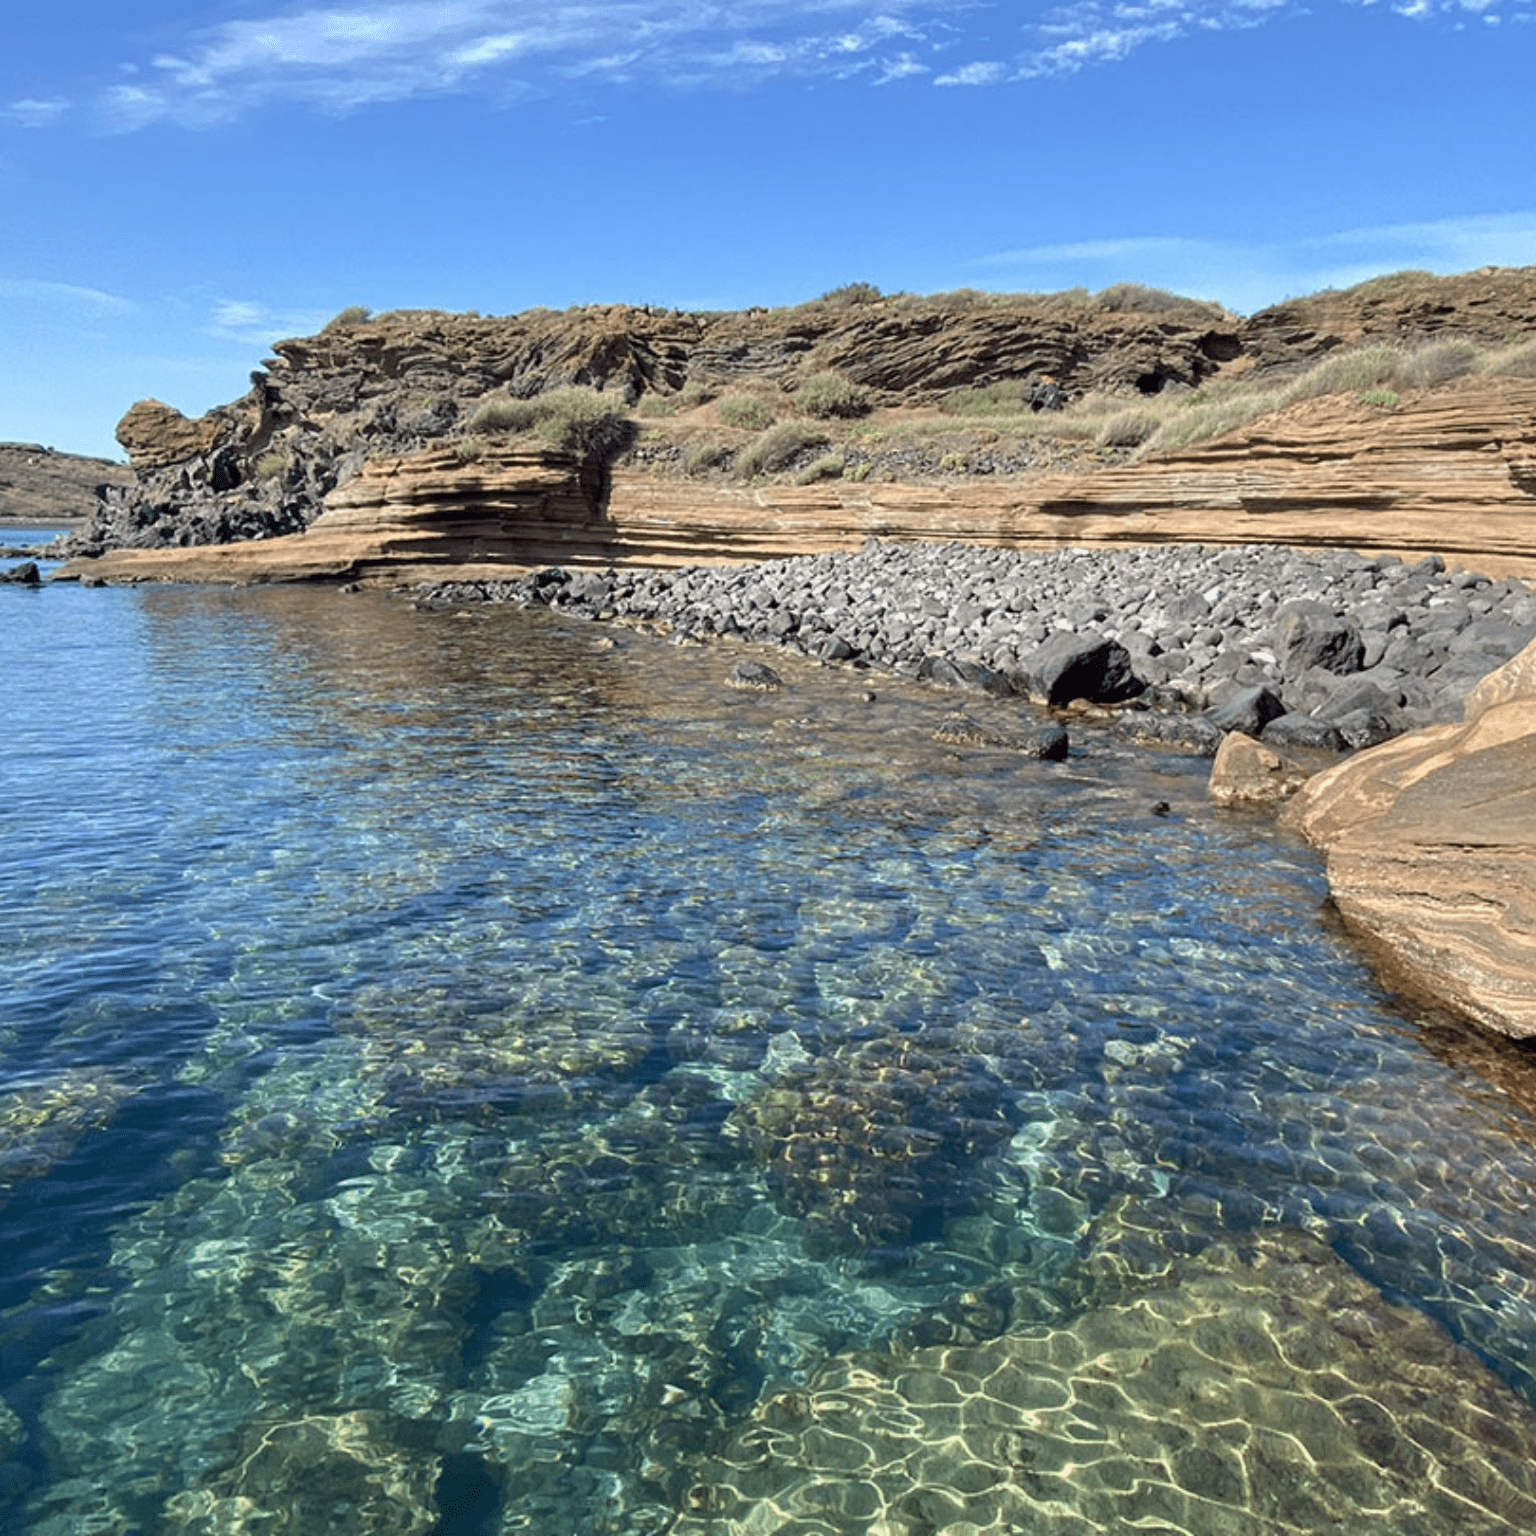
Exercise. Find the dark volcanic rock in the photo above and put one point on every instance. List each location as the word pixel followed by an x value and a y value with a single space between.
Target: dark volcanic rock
pixel 1085 666
pixel 1248 711
pixel 755 677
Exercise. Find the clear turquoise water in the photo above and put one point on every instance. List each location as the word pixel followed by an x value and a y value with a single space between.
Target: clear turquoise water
pixel 459 1072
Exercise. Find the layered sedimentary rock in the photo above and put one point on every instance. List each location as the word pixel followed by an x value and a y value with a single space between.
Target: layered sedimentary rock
pixel 1431 849
pixel 1451 472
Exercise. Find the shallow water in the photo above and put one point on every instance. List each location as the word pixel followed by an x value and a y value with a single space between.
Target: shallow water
pixel 465 1074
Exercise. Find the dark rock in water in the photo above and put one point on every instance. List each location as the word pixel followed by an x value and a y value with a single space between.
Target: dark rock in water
pixel 833 648
pixel 755 677
pixel 1247 712
pixel 1306 731
pixel 1188 733
pixel 1088 666
pixel 943 672
pixel 1048 743
pixel 24 575
pixel 1367 728
pixel 1309 636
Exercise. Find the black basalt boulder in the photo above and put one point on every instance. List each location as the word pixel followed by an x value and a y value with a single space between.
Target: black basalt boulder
pixel 1071 666
pixel 1248 711
pixel 1308 635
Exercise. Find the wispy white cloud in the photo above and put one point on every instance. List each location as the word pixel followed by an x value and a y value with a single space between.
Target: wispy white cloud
pixel 38 290
pixel 344 56
pixel 1250 276
pixel 248 321
pixel 339 58
pixel 31 113
pixel 988 73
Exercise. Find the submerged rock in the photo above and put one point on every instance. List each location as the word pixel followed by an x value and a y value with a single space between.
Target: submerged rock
pixel 1265 1388
pixel 1246 772
pixel 868 1141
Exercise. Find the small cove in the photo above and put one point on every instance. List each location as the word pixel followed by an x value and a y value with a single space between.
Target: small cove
pixel 475 1073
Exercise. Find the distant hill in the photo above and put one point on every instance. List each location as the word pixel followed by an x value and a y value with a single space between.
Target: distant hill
pixel 41 485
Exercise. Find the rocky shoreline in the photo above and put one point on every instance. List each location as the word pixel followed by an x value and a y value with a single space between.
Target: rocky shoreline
pixel 1303 649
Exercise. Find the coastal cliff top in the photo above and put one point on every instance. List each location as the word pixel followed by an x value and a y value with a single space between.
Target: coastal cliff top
pixel 854 385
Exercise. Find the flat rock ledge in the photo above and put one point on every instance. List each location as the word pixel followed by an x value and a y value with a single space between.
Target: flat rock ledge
pixel 1430 843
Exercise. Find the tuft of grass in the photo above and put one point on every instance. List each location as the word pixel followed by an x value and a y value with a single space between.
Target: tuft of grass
pixel 1002 399
pixel 827 395
pixel 705 456
pixel 850 294
pixel 270 465
pixel 467 449
pixel 1345 373
pixel 503 414
pixel 658 406
pixel 1387 399
pixel 1128 428
pixel 778 448
pixel 744 411
pixel 1137 298
pixel 828 467
pixel 353 314
pixel 694 393
pixel 1512 362
pixel 1436 362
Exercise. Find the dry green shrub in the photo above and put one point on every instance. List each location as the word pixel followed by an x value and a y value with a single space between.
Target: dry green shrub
pixel 1386 399
pixel 655 406
pixel 828 395
pixel 1208 413
pixel 503 414
pixel 778 448
pixel 695 393
pixel 575 419
pixel 270 465
pixel 584 422
pixel 745 411
pixel 1137 298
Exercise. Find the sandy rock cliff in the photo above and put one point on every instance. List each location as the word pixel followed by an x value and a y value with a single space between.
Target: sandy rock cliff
pixel 1431 848
pixel 1453 472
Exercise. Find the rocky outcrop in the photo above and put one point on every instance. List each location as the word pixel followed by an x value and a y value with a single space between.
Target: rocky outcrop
pixel 1451 471
pixel 374 387
pixel 40 486
pixel 1431 850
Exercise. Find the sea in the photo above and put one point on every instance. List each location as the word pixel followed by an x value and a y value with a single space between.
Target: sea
pixel 467 1072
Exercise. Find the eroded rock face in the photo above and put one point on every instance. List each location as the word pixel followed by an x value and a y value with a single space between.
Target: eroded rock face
pixel 155 435
pixel 1431 849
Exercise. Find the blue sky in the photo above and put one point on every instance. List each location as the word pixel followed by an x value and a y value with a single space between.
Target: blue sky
pixel 181 185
